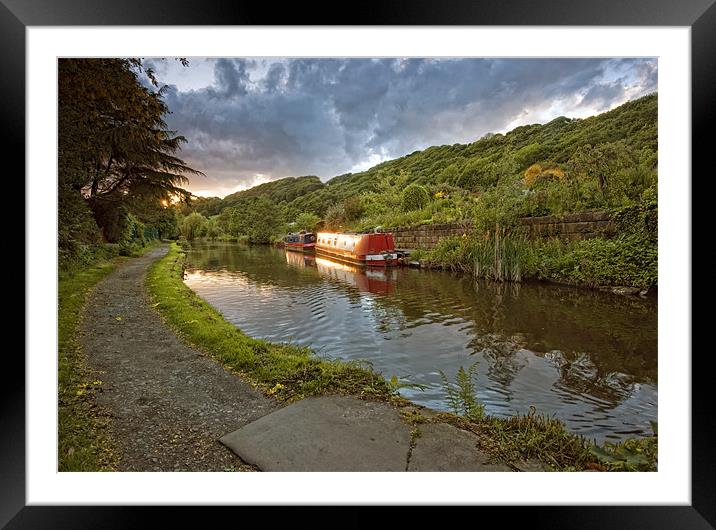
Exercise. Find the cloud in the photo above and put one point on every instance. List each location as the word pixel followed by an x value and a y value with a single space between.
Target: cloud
pixel 270 118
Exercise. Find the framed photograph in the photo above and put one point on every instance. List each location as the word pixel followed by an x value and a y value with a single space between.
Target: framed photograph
pixel 434 83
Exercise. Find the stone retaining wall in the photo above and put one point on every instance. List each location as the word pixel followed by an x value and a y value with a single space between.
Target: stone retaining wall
pixel 578 226
pixel 575 226
pixel 428 236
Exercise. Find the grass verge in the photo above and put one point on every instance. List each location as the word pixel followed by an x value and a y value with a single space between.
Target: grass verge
pixel 84 443
pixel 285 371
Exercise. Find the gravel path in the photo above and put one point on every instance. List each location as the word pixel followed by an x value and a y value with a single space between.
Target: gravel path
pixel 169 403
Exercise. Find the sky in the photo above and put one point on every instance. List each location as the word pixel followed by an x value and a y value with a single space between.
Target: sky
pixel 252 120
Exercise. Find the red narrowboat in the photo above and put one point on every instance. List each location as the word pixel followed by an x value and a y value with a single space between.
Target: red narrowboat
pixel 372 250
pixel 300 241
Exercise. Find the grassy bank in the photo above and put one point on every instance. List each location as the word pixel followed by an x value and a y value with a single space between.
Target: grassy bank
pixel 624 261
pixel 83 442
pixel 504 253
pixel 289 372
pixel 285 371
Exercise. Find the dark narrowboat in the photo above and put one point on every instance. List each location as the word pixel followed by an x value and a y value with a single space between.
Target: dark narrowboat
pixel 300 241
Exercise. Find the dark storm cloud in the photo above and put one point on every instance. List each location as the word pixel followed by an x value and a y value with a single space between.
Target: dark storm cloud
pixel 275 118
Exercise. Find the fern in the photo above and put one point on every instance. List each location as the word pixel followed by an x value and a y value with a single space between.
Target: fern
pixel 462 395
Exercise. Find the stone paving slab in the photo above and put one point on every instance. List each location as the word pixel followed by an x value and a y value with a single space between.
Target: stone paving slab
pixel 443 447
pixel 335 433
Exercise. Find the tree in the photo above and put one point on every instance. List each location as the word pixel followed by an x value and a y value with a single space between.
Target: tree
pixel 335 216
pixel 166 223
pixel 353 208
pixel 211 228
pixel 307 221
pixel 258 218
pixel 192 226
pixel 113 142
pixel 602 162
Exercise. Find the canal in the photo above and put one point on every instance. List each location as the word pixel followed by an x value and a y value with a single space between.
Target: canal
pixel 586 357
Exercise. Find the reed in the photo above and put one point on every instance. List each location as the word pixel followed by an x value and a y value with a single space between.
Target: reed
pixel 501 256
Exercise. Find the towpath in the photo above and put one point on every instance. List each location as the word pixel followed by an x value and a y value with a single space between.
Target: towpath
pixel 169 403
pixel 175 409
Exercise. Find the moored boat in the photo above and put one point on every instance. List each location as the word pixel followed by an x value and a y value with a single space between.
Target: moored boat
pixel 372 250
pixel 300 241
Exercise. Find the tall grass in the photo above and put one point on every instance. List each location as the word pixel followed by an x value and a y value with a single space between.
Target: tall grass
pixel 501 256
pixel 524 437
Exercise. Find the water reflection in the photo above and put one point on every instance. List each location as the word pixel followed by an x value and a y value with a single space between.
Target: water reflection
pixel 590 358
pixel 378 281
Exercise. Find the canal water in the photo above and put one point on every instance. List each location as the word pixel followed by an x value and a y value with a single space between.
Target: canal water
pixel 586 357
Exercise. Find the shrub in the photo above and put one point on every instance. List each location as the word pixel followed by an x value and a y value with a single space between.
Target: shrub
pixel 132 235
pixel 353 208
pixel 414 197
pixel 335 216
pixel 307 221
pixel 78 236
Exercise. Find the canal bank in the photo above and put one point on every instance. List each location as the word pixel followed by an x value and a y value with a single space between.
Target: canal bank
pixel 517 438
pixel 170 404
pixel 587 357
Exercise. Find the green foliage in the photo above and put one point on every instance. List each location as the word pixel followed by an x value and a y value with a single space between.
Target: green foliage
pixel 281 190
pixel 505 254
pixel 132 235
pixel 395 384
pixel 414 197
pixel 621 172
pixel 484 173
pixel 83 436
pixel 257 218
pixel 307 221
pixel 635 454
pixel 166 222
pixel 501 206
pixel 640 219
pixel 529 154
pixel 335 216
pixel 353 208
pixel 461 394
pixel 540 437
pixel 116 155
pixel 78 238
pixel 453 253
pixel 192 226
pixel 501 256
pixel 630 455
pixel 211 229
pixel 625 260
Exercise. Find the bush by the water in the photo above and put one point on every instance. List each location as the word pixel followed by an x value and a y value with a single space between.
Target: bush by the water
pixel 630 258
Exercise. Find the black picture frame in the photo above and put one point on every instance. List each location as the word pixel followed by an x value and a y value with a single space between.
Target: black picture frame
pixel 699 15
